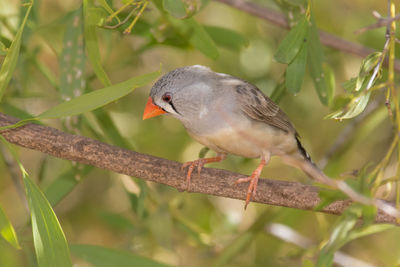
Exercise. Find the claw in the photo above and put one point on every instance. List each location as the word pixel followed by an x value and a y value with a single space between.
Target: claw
pixel 253 179
pixel 199 163
pixel 192 164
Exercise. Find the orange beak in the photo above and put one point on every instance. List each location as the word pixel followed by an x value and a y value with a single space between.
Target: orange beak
pixel 152 110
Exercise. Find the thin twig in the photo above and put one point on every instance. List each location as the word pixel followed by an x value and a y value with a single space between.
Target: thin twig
pixel 382 22
pixel 327 39
pixel 123 21
pixel 129 29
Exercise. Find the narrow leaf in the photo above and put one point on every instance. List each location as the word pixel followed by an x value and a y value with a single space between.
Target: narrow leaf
pixel 370 62
pixel 325 259
pixel 355 107
pixel 7 230
pixel 3 49
pixel 196 35
pixel 293 41
pixel 64 184
pixel 48 238
pixel 316 61
pixel 350 85
pixel 109 129
pixel 11 59
pixel 50 244
pixel 369 230
pixel 107 7
pixel 105 257
pixel 295 71
pixel 227 38
pixel 329 77
pixel 203 152
pixel 98 98
pixel 279 92
pixel 175 7
pixel 92 17
pixel 234 249
pixel 72 58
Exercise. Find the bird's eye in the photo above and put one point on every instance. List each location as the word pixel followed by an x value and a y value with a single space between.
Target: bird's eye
pixel 166 97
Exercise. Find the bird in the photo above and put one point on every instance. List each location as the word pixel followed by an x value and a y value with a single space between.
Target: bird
pixel 230 116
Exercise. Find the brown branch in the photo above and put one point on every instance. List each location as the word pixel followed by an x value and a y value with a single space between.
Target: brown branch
pixel 382 22
pixel 212 181
pixel 327 39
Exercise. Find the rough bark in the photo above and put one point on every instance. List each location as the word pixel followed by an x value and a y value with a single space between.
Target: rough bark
pixel 212 181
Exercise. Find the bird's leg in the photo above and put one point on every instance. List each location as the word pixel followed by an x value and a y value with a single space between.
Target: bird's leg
pixel 253 178
pixel 200 163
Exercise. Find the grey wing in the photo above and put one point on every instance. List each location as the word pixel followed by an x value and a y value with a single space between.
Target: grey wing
pixel 261 108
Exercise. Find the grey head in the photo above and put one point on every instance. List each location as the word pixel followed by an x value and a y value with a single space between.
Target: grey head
pixel 183 91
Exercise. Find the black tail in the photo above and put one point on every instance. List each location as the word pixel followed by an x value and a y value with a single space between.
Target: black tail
pixel 302 150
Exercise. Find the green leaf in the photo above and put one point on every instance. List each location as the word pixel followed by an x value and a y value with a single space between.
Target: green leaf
pixel 369 230
pixel 92 18
pixel 324 88
pixel 98 98
pixel 175 7
pixel 116 220
pixel 293 41
pixel 72 58
pixel 234 249
pixel 107 7
pixel 295 71
pixel 196 35
pixel 110 129
pixel 327 197
pixel 329 77
pixel 11 59
pixel 350 85
pixel 308 263
pixel 3 49
pixel 65 183
pixel 14 111
pixel 365 73
pixel 140 209
pixel 227 38
pixel 106 257
pixel 7 230
pixel 203 152
pixel 325 260
pixel 370 62
pixel 50 244
pixel 48 238
pixel 279 92
pixel 340 233
pixel 355 107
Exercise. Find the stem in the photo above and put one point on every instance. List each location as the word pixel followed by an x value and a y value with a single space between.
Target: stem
pixel 129 29
pixel 119 11
pixel 391 29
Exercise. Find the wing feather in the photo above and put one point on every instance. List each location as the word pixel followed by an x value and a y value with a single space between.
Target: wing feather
pixel 261 108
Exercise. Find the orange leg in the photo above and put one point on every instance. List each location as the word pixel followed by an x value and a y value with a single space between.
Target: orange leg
pixel 253 179
pixel 200 163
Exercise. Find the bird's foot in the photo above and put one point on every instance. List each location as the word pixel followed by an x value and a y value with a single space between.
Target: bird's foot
pixel 199 163
pixel 252 189
pixel 192 164
pixel 253 179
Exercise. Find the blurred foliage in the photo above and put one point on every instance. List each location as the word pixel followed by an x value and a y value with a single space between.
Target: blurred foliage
pixel 79 62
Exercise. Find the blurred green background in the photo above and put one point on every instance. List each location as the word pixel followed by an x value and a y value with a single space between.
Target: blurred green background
pixel 155 221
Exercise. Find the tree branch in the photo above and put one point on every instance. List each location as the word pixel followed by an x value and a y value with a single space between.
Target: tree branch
pixel 212 181
pixel 327 39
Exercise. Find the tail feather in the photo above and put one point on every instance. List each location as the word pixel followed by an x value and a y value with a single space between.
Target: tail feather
pixel 306 164
pixel 303 152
